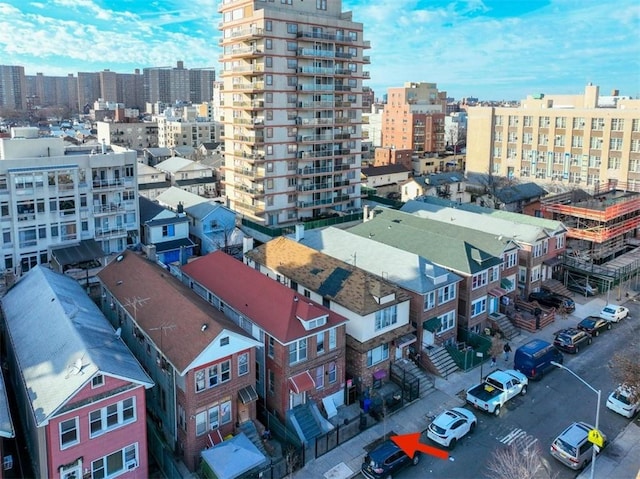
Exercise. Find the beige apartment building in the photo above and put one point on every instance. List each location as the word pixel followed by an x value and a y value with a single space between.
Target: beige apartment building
pixel 560 141
pixel 292 108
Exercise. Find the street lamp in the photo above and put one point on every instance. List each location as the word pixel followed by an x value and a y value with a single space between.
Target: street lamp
pixel 597 391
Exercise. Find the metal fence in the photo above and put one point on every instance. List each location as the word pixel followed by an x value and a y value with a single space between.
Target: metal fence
pixel 470 350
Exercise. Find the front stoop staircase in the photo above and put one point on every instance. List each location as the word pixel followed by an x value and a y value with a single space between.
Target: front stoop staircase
pixel 426 383
pixel 306 422
pixel 505 325
pixel 441 360
pixel 250 430
pixel 557 287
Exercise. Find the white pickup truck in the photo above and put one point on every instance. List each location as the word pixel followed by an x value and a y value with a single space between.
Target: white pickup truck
pixel 496 389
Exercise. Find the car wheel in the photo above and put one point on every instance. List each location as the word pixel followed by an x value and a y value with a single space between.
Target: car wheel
pixel 496 412
pixel 472 427
pixel 416 459
pixel 608 326
pixel 523 391
pixel 452 443
pixel 596 334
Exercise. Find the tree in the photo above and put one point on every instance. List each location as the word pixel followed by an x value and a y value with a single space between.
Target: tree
pixel 511 462
pixel 496 347
pixel 625 368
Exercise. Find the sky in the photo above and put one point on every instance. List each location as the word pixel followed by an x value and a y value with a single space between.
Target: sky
pixel 490 49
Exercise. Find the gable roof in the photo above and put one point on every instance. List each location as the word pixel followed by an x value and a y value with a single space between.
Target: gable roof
pixel 438 179
pixel 204 209
pixel 523 192
pixel 173 164
pixel 404 268
pixel 349 286
pixel 519 232
pixel 170 313
pixel 144 169
pixel 174 195
pixel 148 209
pixel 61 340
pixel 274 307
pixel 461 249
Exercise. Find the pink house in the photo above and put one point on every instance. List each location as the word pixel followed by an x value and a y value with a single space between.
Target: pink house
pixel 80 391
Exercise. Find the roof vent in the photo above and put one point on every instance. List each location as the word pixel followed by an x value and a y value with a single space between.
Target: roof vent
pixel 295 298
pixel 204 327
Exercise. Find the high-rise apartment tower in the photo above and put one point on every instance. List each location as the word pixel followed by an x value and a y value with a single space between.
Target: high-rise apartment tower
pixel 292 108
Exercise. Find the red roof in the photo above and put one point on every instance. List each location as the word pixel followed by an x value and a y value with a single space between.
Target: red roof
pixel 274 307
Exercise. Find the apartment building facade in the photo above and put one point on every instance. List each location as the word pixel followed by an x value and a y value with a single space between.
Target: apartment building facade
pixel 178 84
pixel 52 197
pixel 563 140
pixel 13 87
pixel 292 109
pixel 136 135
pixel 413 118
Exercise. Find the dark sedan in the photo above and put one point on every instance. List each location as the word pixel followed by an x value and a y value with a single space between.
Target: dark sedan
pixel 571 340
pixel 593 325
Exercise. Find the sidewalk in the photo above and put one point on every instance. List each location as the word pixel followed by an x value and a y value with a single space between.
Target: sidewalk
pixel 345 461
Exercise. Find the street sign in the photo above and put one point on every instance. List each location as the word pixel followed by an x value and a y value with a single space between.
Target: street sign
pixel 595 437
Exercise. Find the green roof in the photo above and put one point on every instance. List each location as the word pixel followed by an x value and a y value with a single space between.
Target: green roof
pixel 460 249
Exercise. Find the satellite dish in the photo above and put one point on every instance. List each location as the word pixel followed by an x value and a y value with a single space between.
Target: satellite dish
pixel 76 368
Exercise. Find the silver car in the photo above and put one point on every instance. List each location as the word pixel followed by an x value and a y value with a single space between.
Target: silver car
pixel 572 447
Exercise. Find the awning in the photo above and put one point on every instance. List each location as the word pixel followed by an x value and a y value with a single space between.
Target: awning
pixel 248 394
pixel 432 325
pixel 86 250
pixel 302 382
pixel 506 284
pixel 406 340
pixel 497 292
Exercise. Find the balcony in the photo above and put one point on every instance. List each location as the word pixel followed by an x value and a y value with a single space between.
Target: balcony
pixel 307 170
pixel 249 138
pixel 113 232
pixel 316 53
pixel 248 51
pixel 107 184
pixel 107 209
pixel 314 105
pixel 259 85
pixel 252 190
pixel 314 138
pixel 255 104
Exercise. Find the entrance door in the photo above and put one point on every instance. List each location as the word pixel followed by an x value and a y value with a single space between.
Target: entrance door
pixel 428 338
pixel 296 399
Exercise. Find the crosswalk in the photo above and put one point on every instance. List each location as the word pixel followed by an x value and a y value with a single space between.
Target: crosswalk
pixel 519 438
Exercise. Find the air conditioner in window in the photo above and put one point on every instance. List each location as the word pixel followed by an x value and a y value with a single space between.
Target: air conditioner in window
pixel 131 464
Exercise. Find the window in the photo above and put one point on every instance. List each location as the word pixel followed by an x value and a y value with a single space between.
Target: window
pixel 535 273
pixel 272 382
pixel 447 322
pixel 510 260
pixel 578 123
pixel 429 300
pixel 332 338
pixel 615 144
pixel 321 4
pixel 386 317
pixel 69 433
pixel 243 364
pixel 97 381
pixel 537 250
pixel 168 230
pixel 560 241
pixel 332 370
pixel 597 123
pixel 319 377
pixel 268 43
pixel 377 355
pixel 298 351
pixel 268 25
pixel 320 343
pixel 617 124
pixel 479 279
pixel 216 374
pixel 292 28
pixel 112 417
pixel 561 122
pixel 478 306
pixel 115 463
pixel 494 274
pixel 446 293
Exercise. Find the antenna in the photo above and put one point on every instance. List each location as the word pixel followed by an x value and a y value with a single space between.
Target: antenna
pixel 134 303
pixel 163 330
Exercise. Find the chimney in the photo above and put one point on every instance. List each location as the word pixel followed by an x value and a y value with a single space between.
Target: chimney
pixel 365 214
pixel 180 207
pixel 183 255
pixel 151 253
pixel 299 234
pixel 247 244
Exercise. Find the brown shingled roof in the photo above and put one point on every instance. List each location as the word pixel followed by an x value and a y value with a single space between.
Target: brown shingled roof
pixel 347 285
pixel 271 305
pixel 169 313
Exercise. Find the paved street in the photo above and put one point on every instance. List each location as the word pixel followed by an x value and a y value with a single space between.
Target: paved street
pixel 537 418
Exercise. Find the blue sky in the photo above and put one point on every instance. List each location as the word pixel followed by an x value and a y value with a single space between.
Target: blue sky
pixel 492 49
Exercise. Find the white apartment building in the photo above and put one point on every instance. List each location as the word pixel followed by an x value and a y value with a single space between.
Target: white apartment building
pixel 292 108
pixel 184 128
pixel 587 141
pixel 136 135
pixel 52 196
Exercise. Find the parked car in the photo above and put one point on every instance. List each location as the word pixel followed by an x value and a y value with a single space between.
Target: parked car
pixel 496 389
pixel 554 300
pixel 572 447
pixel 620 401
pixel 451 426
pixel 593 325
pixel 571 340
pixel 385 460
pixel 582 287
pixel 613 312
pixel 533 359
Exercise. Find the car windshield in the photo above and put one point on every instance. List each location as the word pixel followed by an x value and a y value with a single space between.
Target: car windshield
pixel 588 323
pixel 566 447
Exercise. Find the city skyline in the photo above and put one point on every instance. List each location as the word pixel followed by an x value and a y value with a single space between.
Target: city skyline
pixel 489 49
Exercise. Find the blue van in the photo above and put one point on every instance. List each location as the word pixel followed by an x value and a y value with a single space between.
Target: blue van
pixel 534 358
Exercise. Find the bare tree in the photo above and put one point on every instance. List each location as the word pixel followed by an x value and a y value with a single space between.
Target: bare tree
pixel 625 368
pixel 511 462
pixel 496 347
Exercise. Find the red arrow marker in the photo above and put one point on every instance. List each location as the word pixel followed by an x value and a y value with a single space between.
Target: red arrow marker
pixel 410 443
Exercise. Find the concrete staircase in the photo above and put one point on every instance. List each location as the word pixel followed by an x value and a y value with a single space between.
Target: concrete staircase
pixel 505 325
pixel 410 368
pixel 440 360
pixel 250 430
pixel 306 421
pixel 557 287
